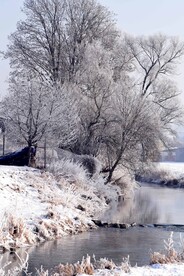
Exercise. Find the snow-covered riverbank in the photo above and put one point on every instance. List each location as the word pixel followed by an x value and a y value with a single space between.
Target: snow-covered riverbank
pixel 104 267
pixel 170 174
pixel 176 169
pixel 154 270
pixel 38 206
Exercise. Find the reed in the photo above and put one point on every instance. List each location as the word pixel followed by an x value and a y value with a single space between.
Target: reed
pixel 169 256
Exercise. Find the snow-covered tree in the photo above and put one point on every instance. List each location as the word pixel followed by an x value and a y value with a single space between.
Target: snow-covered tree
pixel 94 91
pixel 154 63
pixel 154 57
pixel 145 101
pixel 134 121
pixel 52 39
pixel 94 82
pixel 33 109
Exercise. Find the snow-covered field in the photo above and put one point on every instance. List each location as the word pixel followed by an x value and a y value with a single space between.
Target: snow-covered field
pixel 174 168
pixel 165 173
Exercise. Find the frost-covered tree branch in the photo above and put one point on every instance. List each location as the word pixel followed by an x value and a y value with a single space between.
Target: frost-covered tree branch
pixel 34 109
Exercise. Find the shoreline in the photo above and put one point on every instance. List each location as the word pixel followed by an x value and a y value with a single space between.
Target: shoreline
pixel 165 174
pixel 37 206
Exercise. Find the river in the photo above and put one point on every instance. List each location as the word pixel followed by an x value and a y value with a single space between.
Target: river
pixel 151 204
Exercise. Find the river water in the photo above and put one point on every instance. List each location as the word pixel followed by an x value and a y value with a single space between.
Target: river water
pixel 151 204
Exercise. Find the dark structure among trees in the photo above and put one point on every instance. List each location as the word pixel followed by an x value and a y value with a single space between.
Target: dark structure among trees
pixel 24 157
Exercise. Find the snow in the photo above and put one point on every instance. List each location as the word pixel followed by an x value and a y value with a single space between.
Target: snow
pixel 174 168
pixel 165 173
pixel 153 270
pixel 46 205
pixel 31 195
pixel 18 196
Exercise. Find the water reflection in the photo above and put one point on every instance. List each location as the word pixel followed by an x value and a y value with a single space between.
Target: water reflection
pixel 151 204
pixel 105 242
pixel 11 260
pixel 140 209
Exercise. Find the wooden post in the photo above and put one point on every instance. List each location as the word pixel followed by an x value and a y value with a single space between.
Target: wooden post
pixel 32 156
pixel 3 143
pixel 45 153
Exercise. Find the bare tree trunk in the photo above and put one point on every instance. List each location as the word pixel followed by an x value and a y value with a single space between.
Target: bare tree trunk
pixel 112 169
pixel 32 156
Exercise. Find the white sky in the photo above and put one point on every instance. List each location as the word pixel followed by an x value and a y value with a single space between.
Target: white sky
pixel 137 17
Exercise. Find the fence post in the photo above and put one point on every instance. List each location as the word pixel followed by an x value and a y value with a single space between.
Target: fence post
pixel 45 153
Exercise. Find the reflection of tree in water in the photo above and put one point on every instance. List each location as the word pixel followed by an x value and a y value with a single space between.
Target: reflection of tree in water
pixel 140 209
pixel 144 209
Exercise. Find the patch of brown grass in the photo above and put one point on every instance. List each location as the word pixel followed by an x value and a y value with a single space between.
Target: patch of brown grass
pixel 14 233
pixel 87 267
pixel 170 256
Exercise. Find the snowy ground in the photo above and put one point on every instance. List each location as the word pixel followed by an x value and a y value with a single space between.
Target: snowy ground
pixel 174 168
pixel 165 173
pixel 108 268
pixel 38 206
pixel 154 270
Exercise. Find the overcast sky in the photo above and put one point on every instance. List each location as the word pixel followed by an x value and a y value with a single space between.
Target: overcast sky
pixel 137 17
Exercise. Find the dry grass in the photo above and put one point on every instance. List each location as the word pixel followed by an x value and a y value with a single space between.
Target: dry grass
pixel 15 233
pixel 18 270
pixel 104 263
pixel 86 266
pixel 170 255
pixel 125 266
